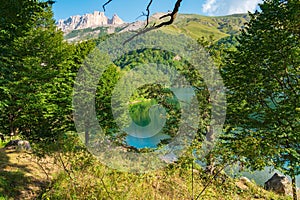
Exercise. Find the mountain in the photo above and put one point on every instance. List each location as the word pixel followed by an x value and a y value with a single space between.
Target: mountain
pixel 92 20
pixel 94 25
pixel 197 26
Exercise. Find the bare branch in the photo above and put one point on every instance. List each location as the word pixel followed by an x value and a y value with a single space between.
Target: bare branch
pixel 172 16
pixel 174 12
pixel 147 15
pixel 148 12
pixel 142 15
pixel 106 4
pixel 140 33
pixel 166 15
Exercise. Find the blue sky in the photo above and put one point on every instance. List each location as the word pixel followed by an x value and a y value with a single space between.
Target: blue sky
pixel 129 10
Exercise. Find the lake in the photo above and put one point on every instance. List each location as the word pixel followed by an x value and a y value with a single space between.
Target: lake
pixel 145 131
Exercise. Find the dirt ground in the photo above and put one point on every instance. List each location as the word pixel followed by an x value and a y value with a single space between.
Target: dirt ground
pixel 23 176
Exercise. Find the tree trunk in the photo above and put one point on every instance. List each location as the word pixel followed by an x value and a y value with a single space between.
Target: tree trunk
pixel 294 187
pixel 87 128
pixel 87 137
pixel 210 167
pixel 12 130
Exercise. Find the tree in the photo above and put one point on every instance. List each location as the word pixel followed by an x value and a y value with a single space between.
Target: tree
pixel 262 78
pixel 35 71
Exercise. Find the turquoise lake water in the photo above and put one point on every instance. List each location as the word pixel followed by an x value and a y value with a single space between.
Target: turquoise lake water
pixel 150 135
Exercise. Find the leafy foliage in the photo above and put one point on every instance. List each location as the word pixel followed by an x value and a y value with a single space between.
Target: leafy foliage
pixel 31 54
pixel 262 78
pixel 38 69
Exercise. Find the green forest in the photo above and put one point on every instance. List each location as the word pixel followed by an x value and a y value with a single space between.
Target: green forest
pixel 43 79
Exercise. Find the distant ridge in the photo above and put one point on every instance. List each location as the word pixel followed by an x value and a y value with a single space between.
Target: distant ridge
pixel 92 20
pixel 78 28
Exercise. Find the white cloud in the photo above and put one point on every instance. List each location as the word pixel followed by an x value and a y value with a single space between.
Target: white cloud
pixel 227 7
pixel 209 6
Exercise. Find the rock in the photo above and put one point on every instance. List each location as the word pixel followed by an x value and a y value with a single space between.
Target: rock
pixel 24 145
pixel 18 144
pixel 134 26
pixel 279 184
pixel 91 20
pixel 116 20
pixel 169 158
pixel 12 143
pixel 245 180
pixel 243 183
pixel 177 58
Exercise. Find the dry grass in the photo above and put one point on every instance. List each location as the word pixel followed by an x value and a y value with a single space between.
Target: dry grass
pixel 22 176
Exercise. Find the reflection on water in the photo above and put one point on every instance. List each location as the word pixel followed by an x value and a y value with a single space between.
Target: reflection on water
pixel 150 134
pixel 152 124
pixel 145 131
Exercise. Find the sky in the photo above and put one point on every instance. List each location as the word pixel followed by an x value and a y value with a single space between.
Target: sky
pixel 130 10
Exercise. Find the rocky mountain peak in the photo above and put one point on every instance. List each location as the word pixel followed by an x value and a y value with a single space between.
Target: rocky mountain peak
pixel 116 20
pixel 90 20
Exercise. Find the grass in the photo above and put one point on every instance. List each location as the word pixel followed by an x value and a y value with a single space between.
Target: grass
pixel 197 26
pixel 96 181
pixel 2 143
pixel 20 175
pixel 79 175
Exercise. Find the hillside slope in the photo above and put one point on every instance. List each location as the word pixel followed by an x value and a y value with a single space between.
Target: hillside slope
pixel 193 25
pixel 21 177
pixel 197 26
